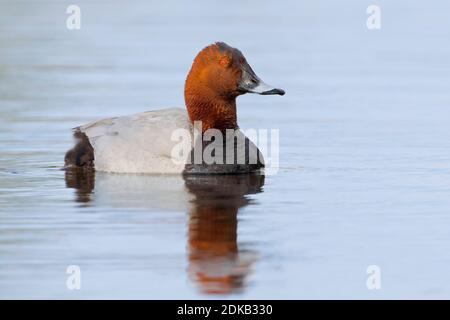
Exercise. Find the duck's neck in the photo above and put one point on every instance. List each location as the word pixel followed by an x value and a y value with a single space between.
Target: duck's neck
pixel 213 112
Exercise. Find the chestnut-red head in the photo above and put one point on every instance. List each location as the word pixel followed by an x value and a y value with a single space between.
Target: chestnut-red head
pixel 218 75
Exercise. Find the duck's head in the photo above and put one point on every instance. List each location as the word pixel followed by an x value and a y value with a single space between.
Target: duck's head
pixel 218 75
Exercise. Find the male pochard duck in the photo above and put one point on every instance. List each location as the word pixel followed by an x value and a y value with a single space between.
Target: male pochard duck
pixel 143 142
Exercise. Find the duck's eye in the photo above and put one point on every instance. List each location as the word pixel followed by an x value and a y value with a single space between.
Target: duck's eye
pixel 225 61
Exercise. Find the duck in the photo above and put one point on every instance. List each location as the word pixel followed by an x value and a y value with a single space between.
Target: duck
pixel 144 142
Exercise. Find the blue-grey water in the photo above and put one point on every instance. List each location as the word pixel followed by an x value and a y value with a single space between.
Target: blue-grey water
pixel 364 174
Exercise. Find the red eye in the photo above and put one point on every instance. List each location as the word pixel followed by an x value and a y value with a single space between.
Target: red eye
pixel 224 61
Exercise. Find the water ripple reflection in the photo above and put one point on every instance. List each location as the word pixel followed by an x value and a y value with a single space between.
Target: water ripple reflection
pixel 216 263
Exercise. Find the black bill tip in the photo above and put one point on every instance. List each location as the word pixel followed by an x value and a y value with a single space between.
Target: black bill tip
pixel 280 92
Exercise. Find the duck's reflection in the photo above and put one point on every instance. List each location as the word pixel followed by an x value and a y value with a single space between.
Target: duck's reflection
pixel 83 181
pixel 217 264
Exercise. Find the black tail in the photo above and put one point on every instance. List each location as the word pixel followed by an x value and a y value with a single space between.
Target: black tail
pixel 82 155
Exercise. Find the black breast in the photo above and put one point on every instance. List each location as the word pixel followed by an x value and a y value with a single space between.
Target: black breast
pixel 231 163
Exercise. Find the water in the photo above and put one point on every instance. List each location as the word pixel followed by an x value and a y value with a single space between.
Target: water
pixel 364 173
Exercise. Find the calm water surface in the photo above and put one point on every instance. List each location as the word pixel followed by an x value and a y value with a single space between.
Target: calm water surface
pixel 364 173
